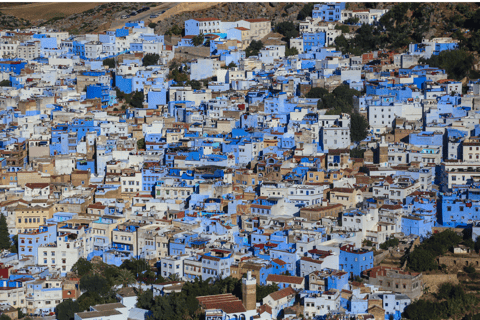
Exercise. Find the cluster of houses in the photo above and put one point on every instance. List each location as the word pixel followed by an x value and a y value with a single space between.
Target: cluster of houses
pixel 244 177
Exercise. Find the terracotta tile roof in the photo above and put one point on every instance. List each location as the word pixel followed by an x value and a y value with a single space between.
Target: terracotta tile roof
pixel 280 294
pixel 285 279
pixel 226 302
pixel 264 308
pixel 36 185
pixel 279 262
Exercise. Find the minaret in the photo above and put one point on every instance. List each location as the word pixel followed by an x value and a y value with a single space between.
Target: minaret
pixel 249 292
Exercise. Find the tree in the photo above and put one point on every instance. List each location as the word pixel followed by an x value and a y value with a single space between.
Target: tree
pixel 136 266
pixel 353 20
pixel 232 65
pixel 357 153
pixel 5 83
pixel 94 283
pixel 358 127
pixel 110 62
pixel 150 59
pixel 263 291
pixel 67 309
pixel 5 317
pixel 145 299
pixel 306 11
pixel 195 84
pixel 175 30
pixel 288 29
pixel 88 299
pixel 392 242
pixel 14 247
pixel 137 99
pixel 316 93
pixel 152 25
pixel 82 267
pixel 343 28
pixel 291 51
pixel 5 242
pixel 198 40
pixel 254 48
pixel 457 63
pixel 141 144
pixel 125 277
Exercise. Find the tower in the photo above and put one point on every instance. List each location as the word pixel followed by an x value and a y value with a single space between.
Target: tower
pixel 249 292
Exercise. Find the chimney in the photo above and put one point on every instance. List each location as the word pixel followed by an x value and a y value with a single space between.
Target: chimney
pixel 249 292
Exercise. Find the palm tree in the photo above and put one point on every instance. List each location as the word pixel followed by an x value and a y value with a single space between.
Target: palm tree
pixel 125 277
pixel 174 277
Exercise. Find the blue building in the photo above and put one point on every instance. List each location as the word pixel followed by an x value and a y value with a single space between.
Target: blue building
pixel 29 242
pixel 98 91
pixel 313 40
pixel 354 261
pixel 331 11
pixel 12 66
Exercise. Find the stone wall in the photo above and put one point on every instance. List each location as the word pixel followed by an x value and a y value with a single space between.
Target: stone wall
pixel 433 281
pixel 460 261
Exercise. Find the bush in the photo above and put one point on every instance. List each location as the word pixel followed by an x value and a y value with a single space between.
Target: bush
pixel 423 257
pixel 110 62
pixel 5 83
pixel 457 63
pixel 198 40
pixel 392 242
pixel 469 269
pixel 150 59
pixel 254 48
pixel 288 29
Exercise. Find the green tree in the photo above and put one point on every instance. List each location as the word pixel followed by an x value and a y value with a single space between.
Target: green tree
pixel 140 145
pixel 67 309
pixel 288 29
pixel 145 300
pixel 110 62
pixel 5 83
pixel 82 267
pixel 94 283
pixel 263 291
pixel 357 153
pixel 457 63
pixel 358 127
pixel 150 59
pixel 316 93
pixel 392 242
pixel 137 99
pixel 136 266
pixel 232 65
pixel 291 51
pixel 5 242
pixel 88 299
pixel 175 30
pixel 254 48
pixel 198 40
pixel 125 277
pixel 195 84
pixel 5 317
pixel 306 11
pixel 343 28
pixel 152 25
pixel 353 20
pixel 14 247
